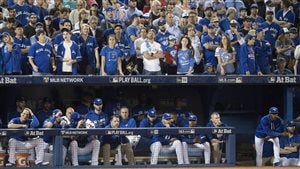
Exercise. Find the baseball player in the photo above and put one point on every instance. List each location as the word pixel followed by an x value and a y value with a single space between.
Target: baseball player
pixel 21 143
pixel 192 141
pixel 289 146
pixel 165 143
pixel 114 141
pixel 97 118
pixel 83 145
pixel 269 128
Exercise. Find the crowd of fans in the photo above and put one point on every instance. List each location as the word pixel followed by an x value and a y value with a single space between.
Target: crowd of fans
pixel 154 37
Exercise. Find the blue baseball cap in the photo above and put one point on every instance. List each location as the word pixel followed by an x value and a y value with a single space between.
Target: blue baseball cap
pixel 290 124
pixel 273 110
pixel 161 22
pixel 98 101
pixel 259 30
pixel 134 16
pixel 38 24
pixel 48 17
pixel 109 8
pixel 192 117
pixel 4 34
pixel 166 116
pixel 55 111
pixel 211 26
pixel 152 112
pixel 75 116
pixel 40 31
pixel 254 6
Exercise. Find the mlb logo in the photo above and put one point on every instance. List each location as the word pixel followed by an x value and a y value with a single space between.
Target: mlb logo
pixel 114 80
pixel 271 79
pixel 46 79
pixel 239 80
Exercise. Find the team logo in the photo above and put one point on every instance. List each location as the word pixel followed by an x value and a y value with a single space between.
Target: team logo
pixel 271 79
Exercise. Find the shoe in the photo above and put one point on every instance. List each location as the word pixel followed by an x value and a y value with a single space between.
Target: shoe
pixel 10 165
pixel 43 164
pixel 277 164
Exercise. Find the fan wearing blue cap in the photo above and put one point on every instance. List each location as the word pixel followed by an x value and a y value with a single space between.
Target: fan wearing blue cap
pixel 165 143
pixel 270 128
pixel 11 55
pixel 289 146
pixel 162 35
pixel 97 116
pixel 263 51
pixel 248 62
pixel 193 141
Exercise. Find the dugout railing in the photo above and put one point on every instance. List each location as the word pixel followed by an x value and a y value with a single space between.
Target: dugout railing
pixel 58 135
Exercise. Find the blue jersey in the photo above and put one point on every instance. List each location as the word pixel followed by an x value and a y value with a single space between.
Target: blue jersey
pixel 47 138
pixel 209 55
pixel 146 123
pixel 111 56
pixel 22 13
pixel 220 137
pixel 42 116
pixel 262 53
pixel 99 120
pixel 132 30
pixel 123 45
pixel 32 122
pixel 128 123
pixel 75 55
pixel 224 24
pixel 247 60
pixel 267 127
pixel 288 17
pixel 189 138
pixel 258 21
pixel 272 31
pixel 185 60
pixel 12 59
pixel 113 140
pixel 286 141
pixel 40 12
pixel 87 49
pixel 10 3
pixel 163 139
pixel 162 39
pixel 204 21
pixel 41 54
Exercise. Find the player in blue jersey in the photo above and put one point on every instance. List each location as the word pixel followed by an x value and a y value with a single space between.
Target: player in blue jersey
pixel 83 145
pixel 193 141
pixel 165 143
pixel 263 51
pixel 68 55
pixel 23 11
pixel 40 55
pixel 210 42
pixel 217 140
pixel 269 128
pixel 24 44
pixel 21 143
pixel 111 58
pixel 185 57
pixel 248 63
pixel 89 50
pixel 289 146
pixel 120 142
pixel 11 55
pixel 96 118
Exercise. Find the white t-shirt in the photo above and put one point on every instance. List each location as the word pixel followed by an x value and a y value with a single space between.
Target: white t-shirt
pixel 152 65
pixel 65 66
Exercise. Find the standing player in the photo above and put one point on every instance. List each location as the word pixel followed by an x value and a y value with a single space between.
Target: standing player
pixel 289 146
pixel 217 140
pixel 269 128
pixel 195 141
pixel 166 143
pixel 21 144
